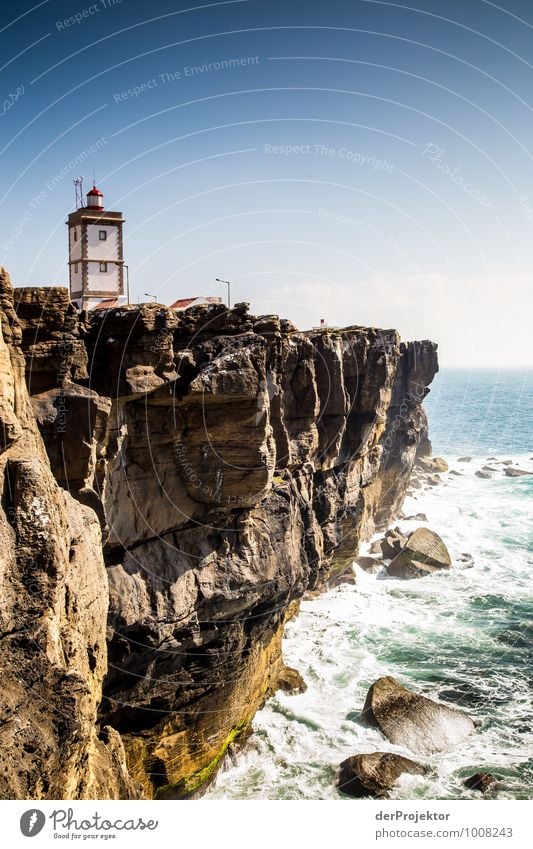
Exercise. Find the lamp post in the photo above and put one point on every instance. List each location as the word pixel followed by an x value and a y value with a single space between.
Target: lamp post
pixel 228 284
pixel 148 295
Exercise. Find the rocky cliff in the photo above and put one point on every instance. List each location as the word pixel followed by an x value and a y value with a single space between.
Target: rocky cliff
pixel 53 608
pixel 222 465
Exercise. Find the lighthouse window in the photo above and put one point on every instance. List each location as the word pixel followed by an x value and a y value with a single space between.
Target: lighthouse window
pixel 75 235
pixel 102 235
pixel 75 268
pixel 103 266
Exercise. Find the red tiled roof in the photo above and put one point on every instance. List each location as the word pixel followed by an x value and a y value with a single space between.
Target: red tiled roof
pixel 107 304
pixel 186 302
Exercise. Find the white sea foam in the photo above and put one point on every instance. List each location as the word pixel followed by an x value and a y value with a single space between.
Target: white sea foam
pixel 461 635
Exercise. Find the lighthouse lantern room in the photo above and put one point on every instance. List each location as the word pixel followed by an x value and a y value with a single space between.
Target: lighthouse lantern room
pixel 96 261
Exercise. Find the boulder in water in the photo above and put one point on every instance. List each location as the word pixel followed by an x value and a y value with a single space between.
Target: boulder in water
pixel 481 781
pixel 290 681
pixel 369 564
pixel 415 722
pixel 392 543
pixel 423 553
pixel 464 459
pixel 432 464
pixel 516 473
pixel 482 474
pixel 374 774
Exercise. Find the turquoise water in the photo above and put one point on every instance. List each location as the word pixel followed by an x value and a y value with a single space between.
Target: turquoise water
pixel 462 636
pixel 481 412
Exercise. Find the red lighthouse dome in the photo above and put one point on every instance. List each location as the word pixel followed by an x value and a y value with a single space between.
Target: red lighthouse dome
pixel 95 199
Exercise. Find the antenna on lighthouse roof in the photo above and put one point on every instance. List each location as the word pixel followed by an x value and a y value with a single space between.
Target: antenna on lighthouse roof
pixel 78 188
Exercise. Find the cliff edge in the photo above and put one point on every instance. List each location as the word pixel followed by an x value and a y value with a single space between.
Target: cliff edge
pixel 220 465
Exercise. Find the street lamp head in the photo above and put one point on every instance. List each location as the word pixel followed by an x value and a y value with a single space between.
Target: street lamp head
pixel 228 284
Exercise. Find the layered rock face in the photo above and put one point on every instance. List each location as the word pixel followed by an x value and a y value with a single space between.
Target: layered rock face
pixel 53 607
pixel 234 463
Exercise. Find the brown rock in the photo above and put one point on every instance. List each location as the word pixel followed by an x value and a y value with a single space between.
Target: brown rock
pixel 53 615
pixel 369 564
pixel 375 774
pixel 52 337
pixel 290 681
pixel 237 467
pixel 392 543
pixel 415 722
pixel 481 781
pixel 511 472
pixel 423 553
pixel 432 464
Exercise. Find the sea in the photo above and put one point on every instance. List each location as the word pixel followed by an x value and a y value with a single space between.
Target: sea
pixel 463 636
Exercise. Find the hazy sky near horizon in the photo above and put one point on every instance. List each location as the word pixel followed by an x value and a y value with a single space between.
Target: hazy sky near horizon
pixel 359 161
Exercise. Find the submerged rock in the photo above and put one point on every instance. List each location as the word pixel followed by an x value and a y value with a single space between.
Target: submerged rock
pixel 413 721
pixel 466 559
pixel 464 459
pixel 423 553
pixel 375 774
pixel 418 517
pixel 483 474
pixel 481 781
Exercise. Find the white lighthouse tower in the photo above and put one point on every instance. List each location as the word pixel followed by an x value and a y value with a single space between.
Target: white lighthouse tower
pixel 96 261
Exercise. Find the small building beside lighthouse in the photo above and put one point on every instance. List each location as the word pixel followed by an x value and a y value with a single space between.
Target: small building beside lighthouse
pixel 96 259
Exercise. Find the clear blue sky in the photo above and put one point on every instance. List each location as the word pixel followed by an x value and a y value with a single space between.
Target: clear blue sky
pixel 365 162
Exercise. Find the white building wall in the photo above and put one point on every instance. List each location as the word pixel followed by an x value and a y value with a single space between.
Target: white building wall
pixel 108 281
pixel 76 277
pixel 97 249
pixel 75 245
